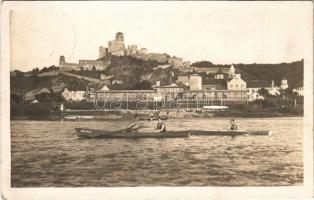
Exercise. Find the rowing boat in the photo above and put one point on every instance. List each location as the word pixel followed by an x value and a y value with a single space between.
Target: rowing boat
pixel 229 132
pixel 92 133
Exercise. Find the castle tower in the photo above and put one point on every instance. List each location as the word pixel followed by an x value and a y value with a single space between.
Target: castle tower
pixel 119 37
pixel 116 47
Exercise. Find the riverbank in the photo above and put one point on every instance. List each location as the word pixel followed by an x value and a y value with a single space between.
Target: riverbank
pixel 40 112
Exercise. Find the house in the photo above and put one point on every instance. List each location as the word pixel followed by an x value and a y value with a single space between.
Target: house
pixel 98 89
pixel 77 92
pixel 103 88
pixel 299 91
pixel 195 82
pixel 169 91
pixel 73 95
pixel 219 76
pixel 214 84
pixel 236 83
pixel 184 79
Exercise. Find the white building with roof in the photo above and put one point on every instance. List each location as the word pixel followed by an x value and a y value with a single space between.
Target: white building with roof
pixel 299 91
pixel 236 83
pixel 73 95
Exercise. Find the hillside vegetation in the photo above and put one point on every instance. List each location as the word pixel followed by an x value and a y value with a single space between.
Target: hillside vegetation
pixel 293 71
pixel 139 74
pixel 133 71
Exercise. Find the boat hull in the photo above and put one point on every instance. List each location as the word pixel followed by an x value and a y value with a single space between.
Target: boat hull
pixel 91 133
pixel 230 133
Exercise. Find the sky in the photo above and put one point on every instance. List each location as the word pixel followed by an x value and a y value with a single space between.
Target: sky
pixel 220 32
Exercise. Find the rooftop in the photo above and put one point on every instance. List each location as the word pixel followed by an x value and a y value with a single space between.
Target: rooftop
pixel 213 81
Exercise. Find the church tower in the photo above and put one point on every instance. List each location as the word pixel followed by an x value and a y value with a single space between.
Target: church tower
pixel 231 71
pixel 61 59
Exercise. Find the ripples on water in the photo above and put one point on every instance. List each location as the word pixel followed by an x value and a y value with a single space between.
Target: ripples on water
pixel 46 153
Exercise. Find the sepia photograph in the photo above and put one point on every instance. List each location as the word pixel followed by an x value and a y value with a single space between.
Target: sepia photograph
pixel 211 98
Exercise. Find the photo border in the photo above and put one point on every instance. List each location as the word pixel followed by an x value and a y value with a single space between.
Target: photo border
pixel 305 191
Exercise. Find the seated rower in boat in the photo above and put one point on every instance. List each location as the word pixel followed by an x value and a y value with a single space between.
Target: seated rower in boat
pixel 161 126
pixel 233 125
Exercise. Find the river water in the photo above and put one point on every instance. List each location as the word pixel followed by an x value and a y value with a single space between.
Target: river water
pixel 47 154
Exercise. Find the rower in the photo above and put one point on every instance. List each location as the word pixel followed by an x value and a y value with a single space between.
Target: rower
pixel 161 126
pixel 233 125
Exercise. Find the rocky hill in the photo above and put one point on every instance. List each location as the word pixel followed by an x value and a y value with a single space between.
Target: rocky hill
pixel 132 70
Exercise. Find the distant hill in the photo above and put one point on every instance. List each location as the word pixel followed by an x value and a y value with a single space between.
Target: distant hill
pixel 292 71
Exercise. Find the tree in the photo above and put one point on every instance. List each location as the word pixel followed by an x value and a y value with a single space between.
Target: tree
pixel 263 92
pixel 45 69
pixel 202 64
pixel 43 97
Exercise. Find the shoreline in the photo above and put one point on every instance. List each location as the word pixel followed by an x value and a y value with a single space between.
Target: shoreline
pixel 145 115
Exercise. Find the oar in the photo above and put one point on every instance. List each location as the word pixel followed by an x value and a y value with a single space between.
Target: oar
pixel 124 130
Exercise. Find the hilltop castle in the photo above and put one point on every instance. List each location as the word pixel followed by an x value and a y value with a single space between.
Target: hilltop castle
pixel 117 47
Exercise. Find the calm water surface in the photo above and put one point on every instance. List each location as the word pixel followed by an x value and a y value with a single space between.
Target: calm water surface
pixel 47 153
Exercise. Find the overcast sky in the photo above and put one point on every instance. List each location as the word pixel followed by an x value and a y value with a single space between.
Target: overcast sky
pixel 221 32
